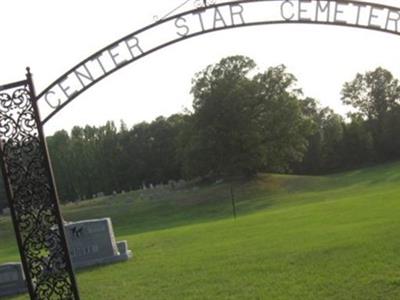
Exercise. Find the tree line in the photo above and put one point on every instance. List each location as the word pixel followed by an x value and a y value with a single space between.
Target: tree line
pixel 243 121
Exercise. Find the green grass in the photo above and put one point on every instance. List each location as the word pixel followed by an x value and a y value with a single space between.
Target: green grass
pixel 296 237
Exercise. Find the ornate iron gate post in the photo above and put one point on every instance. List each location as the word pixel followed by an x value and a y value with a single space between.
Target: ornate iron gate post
pixel 32 195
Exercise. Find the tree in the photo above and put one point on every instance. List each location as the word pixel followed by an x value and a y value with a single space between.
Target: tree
pixel 357 142
pixel 61 157
pixel 325 148
pixel 243 124
pixel 223 130
pixel 374 94
pixel 280 119
pixel 391 132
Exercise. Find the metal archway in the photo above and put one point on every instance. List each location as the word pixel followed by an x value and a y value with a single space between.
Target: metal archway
pixel 25 162
pixel 222 16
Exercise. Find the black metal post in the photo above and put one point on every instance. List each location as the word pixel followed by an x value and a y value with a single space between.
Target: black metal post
pixel 233 203
pixel 32 195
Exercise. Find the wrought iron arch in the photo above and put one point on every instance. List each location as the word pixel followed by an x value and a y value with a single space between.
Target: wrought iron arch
pixel 390 11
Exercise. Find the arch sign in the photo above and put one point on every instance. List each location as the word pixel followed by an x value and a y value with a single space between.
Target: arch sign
pixel 205 20
pixel 25 163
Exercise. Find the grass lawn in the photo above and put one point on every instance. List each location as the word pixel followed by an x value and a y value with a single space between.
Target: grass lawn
pixel 296 237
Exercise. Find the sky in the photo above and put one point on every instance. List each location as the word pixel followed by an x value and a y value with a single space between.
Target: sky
pixel 52 36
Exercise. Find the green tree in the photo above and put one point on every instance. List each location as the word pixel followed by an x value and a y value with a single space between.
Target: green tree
pixel 325 144
pixel 61 157
pixel 224 130
pixel 391 133
pixel 374 94
pixel 281 121
pixel 358 143
pixel 242 123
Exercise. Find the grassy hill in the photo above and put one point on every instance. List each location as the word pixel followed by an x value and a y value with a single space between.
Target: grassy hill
pixel 296 237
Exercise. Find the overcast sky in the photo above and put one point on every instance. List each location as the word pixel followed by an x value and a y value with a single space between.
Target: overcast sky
pixel 52 36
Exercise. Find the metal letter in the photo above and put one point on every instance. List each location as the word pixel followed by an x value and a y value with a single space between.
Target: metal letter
pixel 97 58
pixel 389 18
pixel 115 55
pixel 88 75
pixel 282 10
pixel 135 45
pixel 302 10
pixel 237 13
pixel 200 19
pixel 359 6
pixel 182 26
pixel 65 89
pixel 320 9
pixel 372 16
pixel 47 100
pixel 218 18
pixel 337 12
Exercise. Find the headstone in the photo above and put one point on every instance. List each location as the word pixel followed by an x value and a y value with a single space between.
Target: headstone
pixel 92 242
pixel 172 184
pixel 12 279
pixel 6 211
pixel 100 194
pixel 181 184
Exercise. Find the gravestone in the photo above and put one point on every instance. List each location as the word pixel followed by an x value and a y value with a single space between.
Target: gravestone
pixel 12 279
pixel 172 184
pixel 181 184
pixel 6 211
pixel 92 242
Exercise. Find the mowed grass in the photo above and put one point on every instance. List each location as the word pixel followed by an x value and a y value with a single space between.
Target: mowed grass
pixel 296 237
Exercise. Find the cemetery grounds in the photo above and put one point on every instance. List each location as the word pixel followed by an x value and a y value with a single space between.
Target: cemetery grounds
pixel 295 237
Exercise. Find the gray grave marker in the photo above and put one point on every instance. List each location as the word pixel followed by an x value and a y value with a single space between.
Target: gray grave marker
pixel 92 242
pixel 12 279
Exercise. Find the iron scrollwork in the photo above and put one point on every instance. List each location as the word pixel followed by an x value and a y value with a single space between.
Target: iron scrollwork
pixel 204 3
pixel 32 197
pixel 198 4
